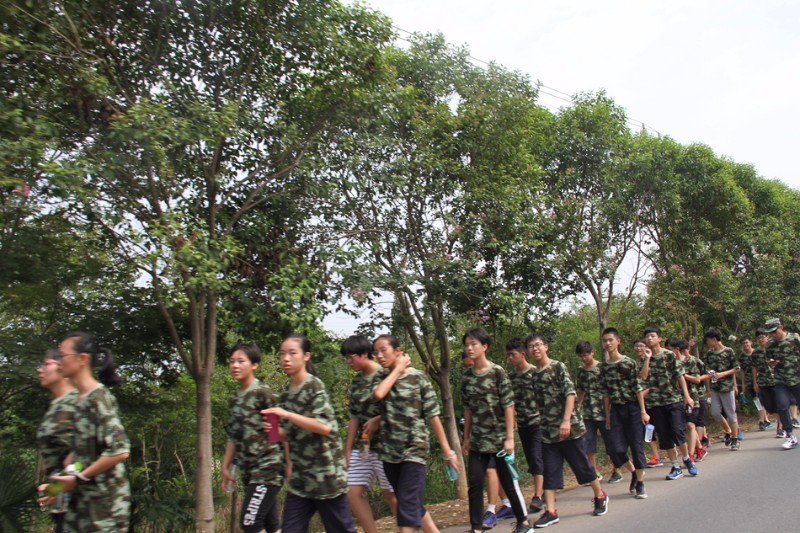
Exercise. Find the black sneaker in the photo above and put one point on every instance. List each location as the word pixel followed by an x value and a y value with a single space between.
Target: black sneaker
pixel 523 528
pixel 547 519
pixel 632 486
pixel 734 444
pixel 600 505
pixel 641 493
pixel 537 504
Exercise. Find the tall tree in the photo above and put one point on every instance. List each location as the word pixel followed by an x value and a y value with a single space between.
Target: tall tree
pixel 186 120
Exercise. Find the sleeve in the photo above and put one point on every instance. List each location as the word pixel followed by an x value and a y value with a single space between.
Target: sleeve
pixel 678 369
pixel 110 432
pixel 321 408
pixel 732 356
pixel 351 407
pixel 580 385
pixel 465 398
pixel 637 383
pixel 230 427
pixel 567 387
pixel 505 391
pixel 430 403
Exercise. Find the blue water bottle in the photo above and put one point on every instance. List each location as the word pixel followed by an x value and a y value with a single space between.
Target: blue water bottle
pixel 509 459
pixel 648 432
pixel 452 473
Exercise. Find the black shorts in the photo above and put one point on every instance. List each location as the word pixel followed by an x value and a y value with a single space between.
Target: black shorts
pixel 574 452
pixel 670 423
pixel 408 481
pixel 531 437
pixel 334 512
pixel 626 433
pixel 260 508
pixel 767 396
pixel 592 427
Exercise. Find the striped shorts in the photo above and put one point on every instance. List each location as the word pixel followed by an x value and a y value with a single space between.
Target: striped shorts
pixel 364 472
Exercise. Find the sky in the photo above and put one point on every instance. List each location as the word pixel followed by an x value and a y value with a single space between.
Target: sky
pixel 722 73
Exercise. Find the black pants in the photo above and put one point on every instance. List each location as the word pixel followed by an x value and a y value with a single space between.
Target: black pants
pixel 477 475
pixel 335 514
pixel 783 395
pixel 627 431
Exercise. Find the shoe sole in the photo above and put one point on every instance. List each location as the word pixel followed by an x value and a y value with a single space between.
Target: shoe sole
pixel 641 496
pixel 604 511
pixel 654 466
pixel 673 478
pixel 550 523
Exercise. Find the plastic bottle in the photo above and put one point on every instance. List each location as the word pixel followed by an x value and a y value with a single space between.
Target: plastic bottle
pixel 648 432
pixel 509 459
pixel 363 445
pixel 230 485
pixel 757 404
pixel 54 488
pixel 714 377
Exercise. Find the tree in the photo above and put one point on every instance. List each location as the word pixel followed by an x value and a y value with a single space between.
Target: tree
pixel 185 121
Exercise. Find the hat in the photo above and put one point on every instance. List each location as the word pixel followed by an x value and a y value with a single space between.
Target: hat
pixel 772 324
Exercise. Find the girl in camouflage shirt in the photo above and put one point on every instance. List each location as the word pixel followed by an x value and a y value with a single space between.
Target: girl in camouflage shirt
pixel 318 478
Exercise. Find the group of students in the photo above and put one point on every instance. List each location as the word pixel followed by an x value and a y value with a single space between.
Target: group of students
pixel 391 408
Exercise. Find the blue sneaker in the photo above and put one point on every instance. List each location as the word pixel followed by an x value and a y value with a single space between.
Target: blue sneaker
pixel 505 512
pixel 489 520
pixel 690 467
pixel 675 473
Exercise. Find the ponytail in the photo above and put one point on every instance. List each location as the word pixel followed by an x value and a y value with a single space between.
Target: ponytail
pixel 100 357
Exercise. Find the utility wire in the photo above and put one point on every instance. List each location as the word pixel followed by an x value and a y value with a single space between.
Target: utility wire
pixel 545 89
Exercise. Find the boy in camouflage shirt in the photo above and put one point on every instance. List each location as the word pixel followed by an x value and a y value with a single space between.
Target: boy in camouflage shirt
pixel 409 402
pixel 488 428
pixel 747 368
pixel 590 402
pixel 783 355
pixel 764 377
pixel 562 431
pixel 695 375
pixel 623 403
pixel 261 462
pixel 526 412
pixel 721 368
pixel 664 374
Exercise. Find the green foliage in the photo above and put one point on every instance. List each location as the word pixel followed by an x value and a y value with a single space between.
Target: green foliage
pixel 18 507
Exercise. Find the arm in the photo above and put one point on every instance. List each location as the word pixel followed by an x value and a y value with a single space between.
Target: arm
pixel 403 361
pixel 508 444
pixel 304 422
pixel 607 409
pixel 103 464
pixel 579 399
pixel 687 399
pixel 566 425
pixel 352 428
pixel 227 459
pixel 645 372
pixel 438 430
pixel 640 399
pixel 755 379
pixel 467 431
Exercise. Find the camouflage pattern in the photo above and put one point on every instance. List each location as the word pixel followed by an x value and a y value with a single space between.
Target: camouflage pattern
pixel 746 367
pixel 588 382
pixel 318 467
pixel 525 407
pixel 404 424
pixel 721 361
pixel 694 367
pixel 103 504
pixel 552 384
pixel 363 405
pixel 765 374
pixel 486 395
pixel 260 461
pixel 665 369
pixel 54 436
pixel 620 380
pixel 787 353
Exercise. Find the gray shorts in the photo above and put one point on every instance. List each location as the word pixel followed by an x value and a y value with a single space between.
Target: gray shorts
pixel 720 401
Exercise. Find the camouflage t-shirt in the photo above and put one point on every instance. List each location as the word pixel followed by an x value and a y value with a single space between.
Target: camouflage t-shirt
pixel 787 353
pixel 486 395
pixel 318 467
pixel 260 461
pixel 104 504
pixel 589 383
pixel 551 386
pixel 721 361
pixel 54 436
pixel 664 372
pixel 746 368
pixel 404 421
pixel 694 367
pixel 363 405
pixel 620 380
pixel 765 374
pixel 525 407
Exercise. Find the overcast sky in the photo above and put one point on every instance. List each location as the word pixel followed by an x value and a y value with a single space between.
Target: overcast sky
pixel 723 73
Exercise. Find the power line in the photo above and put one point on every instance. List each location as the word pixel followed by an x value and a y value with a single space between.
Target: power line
pixel 545 89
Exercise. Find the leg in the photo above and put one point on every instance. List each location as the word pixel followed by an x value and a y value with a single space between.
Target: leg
pixel 259 508
pixel 477 472
pixel 492 488
pixel 513 491
pixel 297 513
pixel 553 474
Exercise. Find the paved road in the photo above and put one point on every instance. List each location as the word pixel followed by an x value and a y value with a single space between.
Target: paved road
pixel 754 489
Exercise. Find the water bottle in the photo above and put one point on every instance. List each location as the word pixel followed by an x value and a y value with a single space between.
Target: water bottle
pixel 743 398
pixel 55 488
pixel 713 374
pixel 688 410
pixel 648 432
pixel 230 485
pixel 452 473
pixel 509 459
pixel 757 404
pixel 363 445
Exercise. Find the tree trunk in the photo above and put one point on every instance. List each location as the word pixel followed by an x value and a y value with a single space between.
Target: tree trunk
pixel 451 429
pixel 204 502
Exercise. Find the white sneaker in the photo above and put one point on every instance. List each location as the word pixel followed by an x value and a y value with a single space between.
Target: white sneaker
pixel 790 442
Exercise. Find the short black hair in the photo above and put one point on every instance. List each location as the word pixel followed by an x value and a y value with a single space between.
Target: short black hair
pixel 673 342
pixel 652 329
pixel 584 347
pixel 516 344
pixel 712 334
pixel 252 351
pixel 479 334
pixel 746 338
pixel 357 345
pixel 611 331
pixel 534 336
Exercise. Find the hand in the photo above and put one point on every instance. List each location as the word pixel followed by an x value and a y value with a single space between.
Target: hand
pixel 452 461
pixel 278 411
pixel 608 424
pixel 70 482
pixel 645 418
pixel 44 501
pixel 648 353
pixel 508 445
pixel 564 430
pixel 288 472
pixel 465 446
pixel 773 363
pixel 402 362
pixel 227 477
pixel 756 388
pixel 688 401
pixel 370 427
